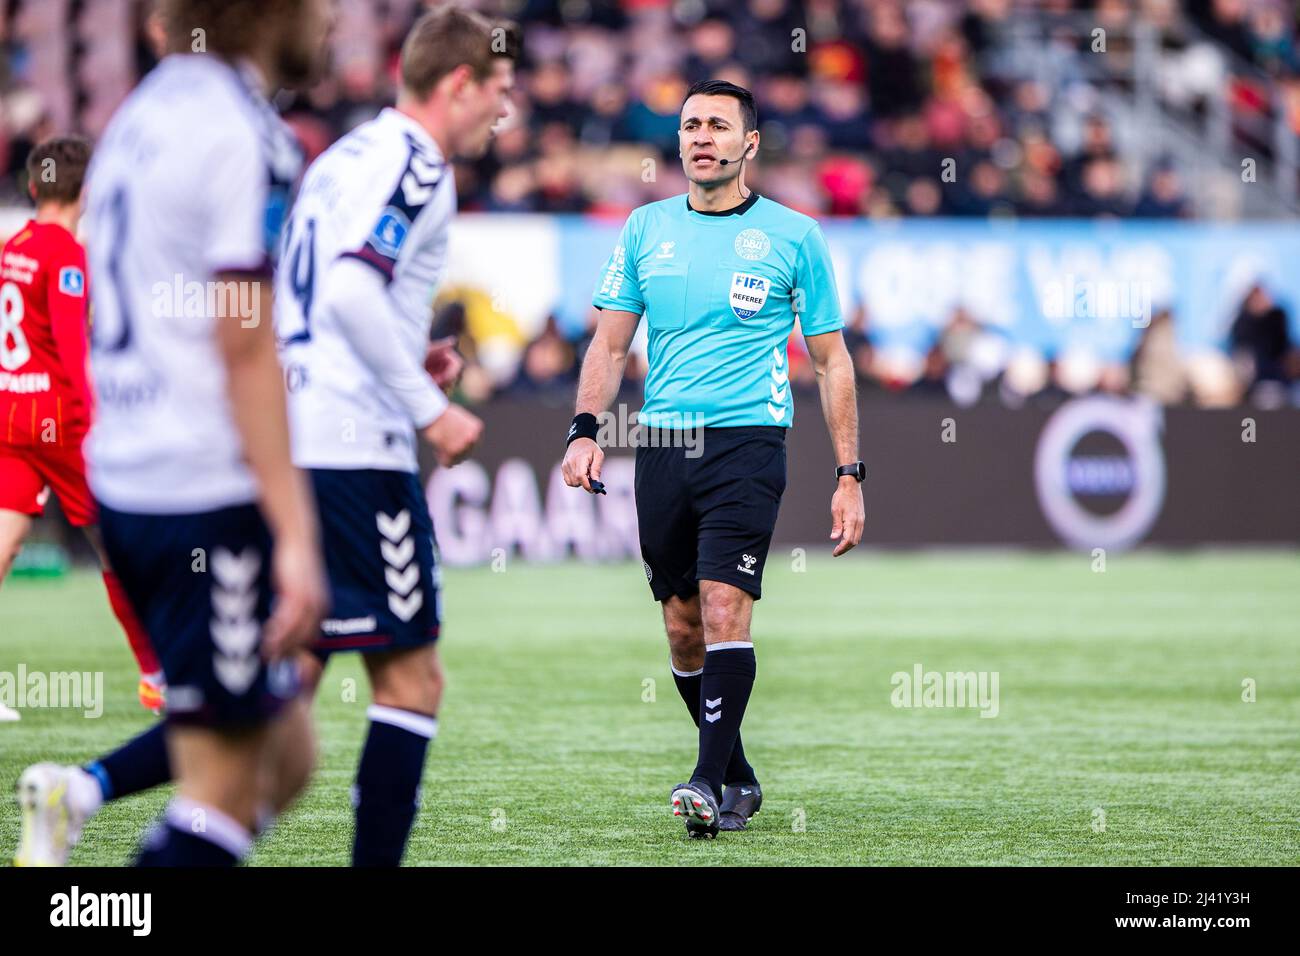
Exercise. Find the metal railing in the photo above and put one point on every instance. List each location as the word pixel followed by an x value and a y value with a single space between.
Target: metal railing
pixel 1124 71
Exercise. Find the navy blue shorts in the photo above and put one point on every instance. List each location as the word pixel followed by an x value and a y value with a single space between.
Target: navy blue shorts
pixel 201 585
pixel 379 553
pixel 711 517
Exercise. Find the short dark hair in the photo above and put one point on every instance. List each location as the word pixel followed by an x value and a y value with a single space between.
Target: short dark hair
pixel 56 169
pixel 748 111
pixel 449 36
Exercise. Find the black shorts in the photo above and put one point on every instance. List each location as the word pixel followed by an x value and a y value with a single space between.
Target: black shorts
pixel 380 555
pixel 201 584
pixel 709 518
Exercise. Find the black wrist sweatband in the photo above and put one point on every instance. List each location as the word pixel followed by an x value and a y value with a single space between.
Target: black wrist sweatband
pixel 584 426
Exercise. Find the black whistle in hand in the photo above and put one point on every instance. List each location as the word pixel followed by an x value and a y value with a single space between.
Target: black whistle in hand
pixel 597 487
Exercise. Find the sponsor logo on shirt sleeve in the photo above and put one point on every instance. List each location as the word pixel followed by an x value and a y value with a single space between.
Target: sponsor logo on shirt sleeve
pixel 390 232
pixel 72 281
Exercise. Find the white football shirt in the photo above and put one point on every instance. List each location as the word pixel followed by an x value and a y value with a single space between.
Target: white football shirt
pixel 191 179
pixel 382 195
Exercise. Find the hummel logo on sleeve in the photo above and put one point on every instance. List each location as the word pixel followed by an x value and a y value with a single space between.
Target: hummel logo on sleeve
pixel 613 280
pixel 421 178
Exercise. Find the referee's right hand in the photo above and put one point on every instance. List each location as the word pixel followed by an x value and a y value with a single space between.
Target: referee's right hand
pixel 582 463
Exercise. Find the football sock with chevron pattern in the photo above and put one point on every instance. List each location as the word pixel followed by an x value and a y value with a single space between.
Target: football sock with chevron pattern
pixel 688 685
pixel 725 686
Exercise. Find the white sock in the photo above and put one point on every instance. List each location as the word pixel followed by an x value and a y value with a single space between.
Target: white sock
pixel 84 792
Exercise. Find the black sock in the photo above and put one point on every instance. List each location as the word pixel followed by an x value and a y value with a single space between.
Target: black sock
pixel 138 765
pixel 724 692
pixel 191 834
pixel 738 768
pixel 388 783
pixel 688 685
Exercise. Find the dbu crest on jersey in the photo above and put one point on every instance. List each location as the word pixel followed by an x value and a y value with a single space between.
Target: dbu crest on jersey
pixel 390 232
pixel 72 281
pixel 748 294
pixel 752 244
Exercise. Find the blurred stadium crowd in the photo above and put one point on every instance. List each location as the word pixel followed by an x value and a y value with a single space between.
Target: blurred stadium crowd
pixel 861 101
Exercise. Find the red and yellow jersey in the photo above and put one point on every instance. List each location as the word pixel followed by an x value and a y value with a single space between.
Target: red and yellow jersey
pixel 44 387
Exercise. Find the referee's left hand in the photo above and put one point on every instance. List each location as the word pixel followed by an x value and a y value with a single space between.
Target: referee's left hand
pixel 848 515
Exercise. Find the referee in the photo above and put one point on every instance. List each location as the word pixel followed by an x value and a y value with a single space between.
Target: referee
pixel 719 275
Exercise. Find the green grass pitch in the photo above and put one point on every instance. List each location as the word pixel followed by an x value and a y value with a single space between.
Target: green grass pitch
pixel 1121 738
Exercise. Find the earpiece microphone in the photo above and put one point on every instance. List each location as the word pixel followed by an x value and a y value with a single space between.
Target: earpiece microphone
pixel 728 162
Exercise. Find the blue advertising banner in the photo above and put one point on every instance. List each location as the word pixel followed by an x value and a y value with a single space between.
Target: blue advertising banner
pixel 1054 284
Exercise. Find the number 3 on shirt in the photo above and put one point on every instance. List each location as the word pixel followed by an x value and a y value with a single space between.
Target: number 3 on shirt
pixel 101 328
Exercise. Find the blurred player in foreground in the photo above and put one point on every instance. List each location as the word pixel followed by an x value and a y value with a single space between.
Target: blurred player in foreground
pixel 45 403
pixel 720 274
pixel 377 529
pixel 211 528
pixel 365 250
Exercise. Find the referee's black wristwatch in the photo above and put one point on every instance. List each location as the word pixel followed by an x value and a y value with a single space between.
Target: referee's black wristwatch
pixel 858 470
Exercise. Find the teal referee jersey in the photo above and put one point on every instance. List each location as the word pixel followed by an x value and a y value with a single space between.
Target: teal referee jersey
pixel 719 292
